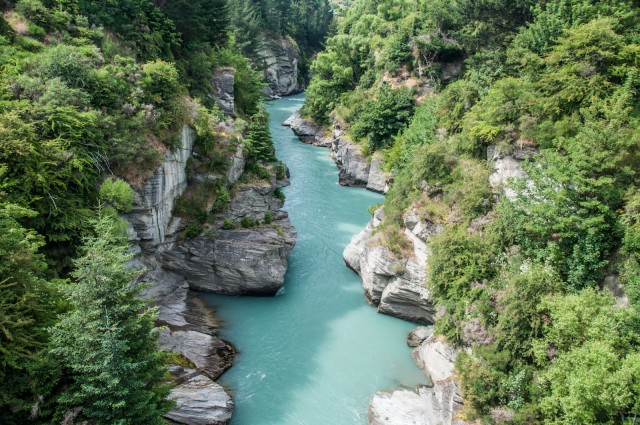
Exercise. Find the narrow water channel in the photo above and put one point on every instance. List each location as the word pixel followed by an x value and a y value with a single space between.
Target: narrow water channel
pixel 315 354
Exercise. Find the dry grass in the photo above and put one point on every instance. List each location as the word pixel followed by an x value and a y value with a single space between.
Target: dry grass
pixel 17 22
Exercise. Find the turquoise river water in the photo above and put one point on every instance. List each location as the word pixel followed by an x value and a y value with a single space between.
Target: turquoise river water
pixel 316 353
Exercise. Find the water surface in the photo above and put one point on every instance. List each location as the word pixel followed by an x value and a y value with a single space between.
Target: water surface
pixel 315 354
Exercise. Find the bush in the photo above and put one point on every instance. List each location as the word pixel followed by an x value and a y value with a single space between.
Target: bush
pixel 279 194
pixel 248 222
pixel 228 224
pixel 193 230
pixel 268 217
pixel 117 193
pixel 222 200
pixel 379 119
pixel 160 81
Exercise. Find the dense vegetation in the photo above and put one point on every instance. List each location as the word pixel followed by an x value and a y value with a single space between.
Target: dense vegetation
pixel 518 279
pixel 92 96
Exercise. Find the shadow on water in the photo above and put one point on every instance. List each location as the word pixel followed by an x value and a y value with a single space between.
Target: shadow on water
pixel 315 354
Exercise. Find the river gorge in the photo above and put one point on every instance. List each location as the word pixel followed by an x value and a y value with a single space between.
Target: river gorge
pixel 316 353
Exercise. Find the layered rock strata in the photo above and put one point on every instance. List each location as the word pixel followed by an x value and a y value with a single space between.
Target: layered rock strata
pixel 241 261
pixel 439 403
pixel 279 61
pixel 355 169
pixel 396 285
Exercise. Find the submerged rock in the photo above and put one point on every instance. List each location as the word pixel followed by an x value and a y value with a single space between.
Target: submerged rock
pixel 200 401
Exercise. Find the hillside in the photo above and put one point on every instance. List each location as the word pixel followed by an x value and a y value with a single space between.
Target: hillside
pixel 508 132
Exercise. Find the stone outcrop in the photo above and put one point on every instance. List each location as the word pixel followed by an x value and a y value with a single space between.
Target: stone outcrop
pixel 223 82
pixel 279 60
pixel 251 261
pixel 507 166
pixel 438 403
pixel 153 203
pixel 354 167
pixel 199 400
pixel 397 286
pixel 308 131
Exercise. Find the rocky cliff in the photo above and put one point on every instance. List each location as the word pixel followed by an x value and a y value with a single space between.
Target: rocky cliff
pixel 394 284
pixel 279 61
pixel 355 169
pixel 439 403
pixel 244 261
pixel 154 201
pixel 240 261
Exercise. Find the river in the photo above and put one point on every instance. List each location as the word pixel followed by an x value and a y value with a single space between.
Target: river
pixel 316 353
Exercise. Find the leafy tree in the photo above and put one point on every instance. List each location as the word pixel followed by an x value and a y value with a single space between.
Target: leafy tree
pixel 258 139
pixel 107 345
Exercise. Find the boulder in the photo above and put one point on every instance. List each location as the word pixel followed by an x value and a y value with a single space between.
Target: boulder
pixel 200 401
pixel 307 130
pixel 402 407
pixel 210 355
pixel 418 335
pixel 223 82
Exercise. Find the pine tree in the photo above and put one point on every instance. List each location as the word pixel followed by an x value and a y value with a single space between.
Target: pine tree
pixel 27 307
pixel 258 138
pixel 107 344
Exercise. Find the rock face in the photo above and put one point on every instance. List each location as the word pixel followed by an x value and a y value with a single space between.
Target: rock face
pixel 242 261
pixel 354 168
pixel 279 60
pixel 397 286
pixel 507 166
pixel 437 404
pixel 199 400
pixel 307 130
pixel 153 203
pixel 223 82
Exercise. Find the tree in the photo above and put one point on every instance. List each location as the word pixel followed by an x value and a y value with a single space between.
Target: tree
pixel 107 345
pixel 27 308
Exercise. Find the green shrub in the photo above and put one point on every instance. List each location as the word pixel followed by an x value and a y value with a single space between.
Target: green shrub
pixel 160 81
pixel 248 222
pixel 117 193
pixel 193 230
pixel 228 224
pixel 222 200
pixel 268 217
pixel 279 194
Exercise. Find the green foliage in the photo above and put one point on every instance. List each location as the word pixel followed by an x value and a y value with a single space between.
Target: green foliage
pixel 27 309
pixel 248 222
pixel 381 118
pixel 228 224
pixel 160 81
pixel 222 200
pixel 258 141
pixel 117 193
pixel 268 217
pixel 107 345
pixel 279 194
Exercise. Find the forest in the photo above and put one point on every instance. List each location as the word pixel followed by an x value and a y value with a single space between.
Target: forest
pixel 520 281
pixel 92 95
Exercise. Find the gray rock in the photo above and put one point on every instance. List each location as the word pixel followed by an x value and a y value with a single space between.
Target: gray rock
pixel 210 355
pixel 612 284
pixel 353 166
pixel 418 335
pixel 378 180
pixel 154 202
pixel 237 165
pixel 451 70
pixel 507 166
pixel 397 286
pixel 200 401
pixel 402 407
pixel 436 358
pixel 421 228
pixel 279 61
pixel 308 131
pixel 437 404
pixel 223 82
pixel 407 301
